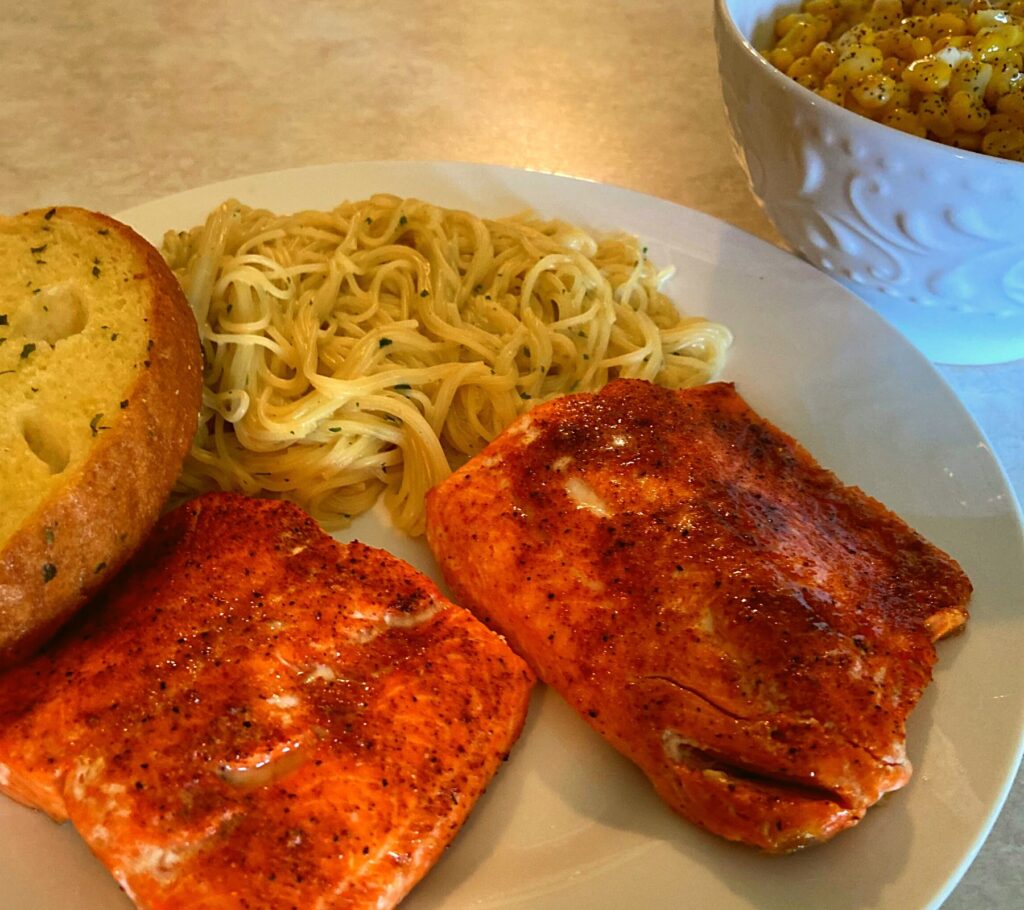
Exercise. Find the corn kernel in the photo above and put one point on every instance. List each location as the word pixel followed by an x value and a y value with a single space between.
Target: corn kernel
pixel 999 122
pixel 786 24
pixel 1004 80
pixel 802 66
pixel 905 47
pixel 874 91
pixel 915 25
pixel 828 8
pixel 921 46
pixel 824 26
pixel 934 114
pixel 884 13
pixel 854 107
pixel 858 35
pixel 1010 57
pixel 902 96
pixel 986 18
pixel 905 121
pixel 1012 105
pixel 824 57
pixel 887 40
pixel 929 7
pixel 970 76
pixel 800 39
pixel 962 43
pixel 929 75
pixel 968 112
pixel 989 41
pixel 855 64
pixel 969 141
pixel 945 25
pixel 1007 143
pixel 781 58
pixel 831 92
pixel 893 67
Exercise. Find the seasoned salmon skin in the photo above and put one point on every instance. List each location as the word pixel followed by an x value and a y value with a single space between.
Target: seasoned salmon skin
pixel 257 716
pixel 730 616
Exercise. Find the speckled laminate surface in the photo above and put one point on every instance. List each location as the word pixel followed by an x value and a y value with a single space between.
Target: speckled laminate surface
pixel 109 104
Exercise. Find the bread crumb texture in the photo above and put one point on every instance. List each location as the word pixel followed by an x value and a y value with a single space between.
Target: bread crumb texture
pixel 74 306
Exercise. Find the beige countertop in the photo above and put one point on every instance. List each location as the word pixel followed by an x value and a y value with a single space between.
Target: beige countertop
pixel 109 104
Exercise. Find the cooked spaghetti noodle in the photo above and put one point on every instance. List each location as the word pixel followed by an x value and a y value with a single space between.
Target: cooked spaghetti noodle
pixel 369 349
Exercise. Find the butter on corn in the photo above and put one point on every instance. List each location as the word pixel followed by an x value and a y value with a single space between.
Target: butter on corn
pixel 947 70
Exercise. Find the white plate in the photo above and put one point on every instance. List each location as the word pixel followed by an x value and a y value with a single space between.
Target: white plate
pixel 568 823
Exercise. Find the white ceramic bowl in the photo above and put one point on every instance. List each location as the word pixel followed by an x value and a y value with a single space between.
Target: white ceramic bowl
pixel 931 236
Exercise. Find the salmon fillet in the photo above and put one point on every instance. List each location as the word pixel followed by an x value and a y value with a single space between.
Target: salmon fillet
pixel 748 630
pixel 258 716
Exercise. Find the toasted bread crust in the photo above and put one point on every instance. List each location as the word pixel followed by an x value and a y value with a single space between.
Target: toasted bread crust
pixel 80 534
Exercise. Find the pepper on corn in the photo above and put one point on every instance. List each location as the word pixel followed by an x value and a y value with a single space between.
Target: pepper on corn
pixel 947 70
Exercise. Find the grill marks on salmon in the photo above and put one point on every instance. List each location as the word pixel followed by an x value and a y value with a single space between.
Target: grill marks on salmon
pixel 729 615
pixel 259 716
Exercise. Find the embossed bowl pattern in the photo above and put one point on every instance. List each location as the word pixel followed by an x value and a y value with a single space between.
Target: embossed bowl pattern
pixel 931 236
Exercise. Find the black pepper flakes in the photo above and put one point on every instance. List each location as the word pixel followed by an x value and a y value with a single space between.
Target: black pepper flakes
pixel 49 571
pixel 27 349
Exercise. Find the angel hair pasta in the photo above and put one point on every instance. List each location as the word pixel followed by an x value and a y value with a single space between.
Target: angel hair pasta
pixel 372 348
